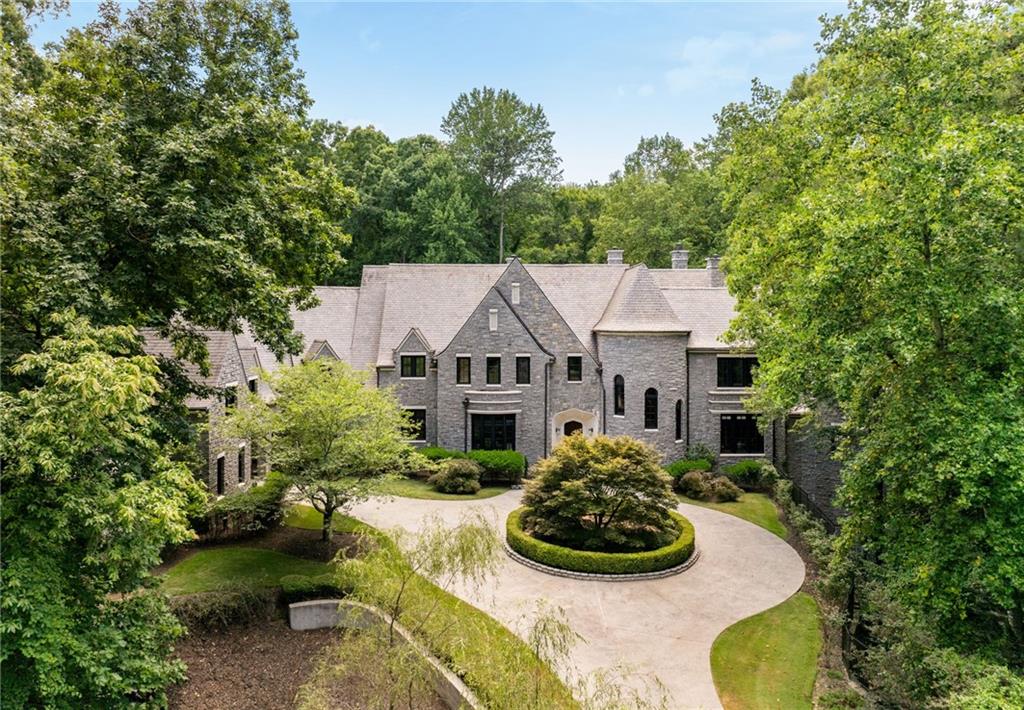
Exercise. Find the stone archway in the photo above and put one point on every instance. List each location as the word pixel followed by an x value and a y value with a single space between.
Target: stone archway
pixel 571 421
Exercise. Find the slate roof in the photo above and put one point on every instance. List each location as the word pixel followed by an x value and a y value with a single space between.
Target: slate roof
pixel 219 345
pixel 580 292
pixel 638 306
pixel 703 310
pixel 333 320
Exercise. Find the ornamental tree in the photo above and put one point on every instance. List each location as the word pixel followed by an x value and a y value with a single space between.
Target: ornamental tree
pixel 334 437
pixel 600 492
pixel 89 500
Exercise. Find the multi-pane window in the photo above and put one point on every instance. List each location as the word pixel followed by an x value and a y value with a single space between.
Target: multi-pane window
pixel 414 365
pixel 494 369
pixel 522 369
pixel 241 464
pixel 619 395
pixel 736 371
pixel 417 424
pixel 740 434
pixel 574 368
pixel 463 368
pixel 230 396
pixel 651 409
pixel 679 420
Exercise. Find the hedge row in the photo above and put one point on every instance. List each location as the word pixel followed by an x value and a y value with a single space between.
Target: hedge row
pixel 600 562
pixel 498 465
pixel 681 467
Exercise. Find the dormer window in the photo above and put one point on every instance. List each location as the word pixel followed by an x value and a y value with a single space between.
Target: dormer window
pixel 413 366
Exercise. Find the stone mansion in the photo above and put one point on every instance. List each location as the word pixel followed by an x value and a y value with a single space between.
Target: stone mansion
pixel 517 356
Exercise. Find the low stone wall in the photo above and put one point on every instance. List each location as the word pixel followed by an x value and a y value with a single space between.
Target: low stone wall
pixel 331 613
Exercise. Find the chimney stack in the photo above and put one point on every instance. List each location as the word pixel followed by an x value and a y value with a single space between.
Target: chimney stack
pixel 680 257
pixel 717 277
pixel 614 256
pixel 510 259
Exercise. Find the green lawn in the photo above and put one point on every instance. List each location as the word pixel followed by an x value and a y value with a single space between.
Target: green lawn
pixel 756 508
pixel 216 568
pixel 412 488
pixel 769 660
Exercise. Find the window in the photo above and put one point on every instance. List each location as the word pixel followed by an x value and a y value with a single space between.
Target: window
pixel 736 371
pixel 254 462
pixel 230 396
pixel 252 385
pixel 463 368
pixel 522 369
pixel 418 424
pixel 241 464
pixel 515 294
pixel 493 319
pixel 494 431
pixel 414 366
pixel 651 409
pixel 619 397
pixel 740 434
pixel 679 420
pixel 494 369
pixel 574 367
pixel 220 475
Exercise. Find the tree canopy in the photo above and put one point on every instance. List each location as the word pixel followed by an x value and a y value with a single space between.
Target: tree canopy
pixel 878 254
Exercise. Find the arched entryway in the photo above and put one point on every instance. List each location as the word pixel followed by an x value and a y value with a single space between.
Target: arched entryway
pixel 571 421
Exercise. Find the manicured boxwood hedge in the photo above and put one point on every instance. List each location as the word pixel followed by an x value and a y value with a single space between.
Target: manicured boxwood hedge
pixel 600 562
pixel 501 465
pixel 680 467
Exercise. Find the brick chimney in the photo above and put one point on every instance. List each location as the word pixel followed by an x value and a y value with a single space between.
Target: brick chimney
pixel 614 256
pixel 680 257
pixel 717 277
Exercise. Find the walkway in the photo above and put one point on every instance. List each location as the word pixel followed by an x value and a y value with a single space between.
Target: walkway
pixel 663 627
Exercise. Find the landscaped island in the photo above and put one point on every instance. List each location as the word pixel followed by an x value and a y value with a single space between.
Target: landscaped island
pixel 601 505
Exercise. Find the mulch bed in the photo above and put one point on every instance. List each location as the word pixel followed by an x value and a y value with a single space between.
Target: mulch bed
pixel 258 666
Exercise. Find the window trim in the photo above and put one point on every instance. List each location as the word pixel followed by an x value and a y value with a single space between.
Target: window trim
pixel 487 369
pixel 515 293
pixel 402 356
pixel 529 369
pixel 679 421
pixel 568 357
pixel 419 409
pixel 463 356
pixel 492 320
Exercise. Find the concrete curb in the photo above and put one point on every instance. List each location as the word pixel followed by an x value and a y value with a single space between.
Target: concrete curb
pixel 333 613
pixel 569 574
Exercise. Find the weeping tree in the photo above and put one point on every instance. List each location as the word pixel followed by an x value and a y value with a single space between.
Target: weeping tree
pixel 334 437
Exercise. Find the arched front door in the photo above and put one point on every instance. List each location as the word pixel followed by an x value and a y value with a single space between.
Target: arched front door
pixel 571 427
pixel 571 421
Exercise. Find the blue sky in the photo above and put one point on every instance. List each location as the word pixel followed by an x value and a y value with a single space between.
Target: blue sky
pixel 606 73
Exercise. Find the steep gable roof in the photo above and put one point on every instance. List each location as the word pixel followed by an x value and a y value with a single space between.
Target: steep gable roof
pixel 704 311
pixel 638 306
pixel 220 345
pixel 579 292
pixel 332 320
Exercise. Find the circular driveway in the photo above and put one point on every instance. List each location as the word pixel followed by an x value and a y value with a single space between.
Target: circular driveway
pixel 659 628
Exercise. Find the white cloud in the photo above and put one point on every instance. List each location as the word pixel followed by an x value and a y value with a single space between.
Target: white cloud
pixel 369 42
pixel 726 58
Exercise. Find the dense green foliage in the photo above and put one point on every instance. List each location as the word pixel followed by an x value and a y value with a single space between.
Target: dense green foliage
pixel 300 587
pixel 752 475
pixel 505 465
pixel 600 493
pixel 238 604
pixel 681 466
pixel 329 434
pixel 155 173
pixel 252 510
pixel 457 476
pixel 770 659
pixel 702 485
pixel 877 254
pixel 670 555
pixel 89 499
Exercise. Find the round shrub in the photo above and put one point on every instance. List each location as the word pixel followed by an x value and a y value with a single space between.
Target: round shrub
pixel 701 485
pixel 752 474
pixel 600 493
pixel 678 469
pixel 500 465
pixel 457 476
pixel 546 553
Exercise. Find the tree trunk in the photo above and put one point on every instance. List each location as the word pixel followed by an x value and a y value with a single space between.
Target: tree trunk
pixel 501 236
pixel 326 530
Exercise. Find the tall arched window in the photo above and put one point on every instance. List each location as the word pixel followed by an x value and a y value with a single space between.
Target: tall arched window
pixel 651 409
pixel 620 395
pixel 679 420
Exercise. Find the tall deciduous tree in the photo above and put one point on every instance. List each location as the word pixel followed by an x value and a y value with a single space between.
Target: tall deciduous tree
pixel 334 437
pixel 504 143
pixel 155 167
pixel 878 256
pixel 89 501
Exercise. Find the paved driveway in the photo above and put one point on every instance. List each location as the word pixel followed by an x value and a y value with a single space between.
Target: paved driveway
pixel 662 627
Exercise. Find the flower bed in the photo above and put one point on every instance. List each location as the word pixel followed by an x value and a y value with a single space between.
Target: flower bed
pixel 545 553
